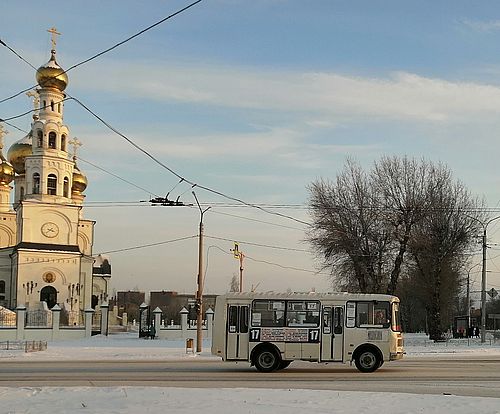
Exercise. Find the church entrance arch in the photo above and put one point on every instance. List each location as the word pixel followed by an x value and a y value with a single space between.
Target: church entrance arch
pixel 49 295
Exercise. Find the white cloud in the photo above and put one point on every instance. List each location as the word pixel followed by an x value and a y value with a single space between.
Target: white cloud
pixel 482 26
pixel 311 96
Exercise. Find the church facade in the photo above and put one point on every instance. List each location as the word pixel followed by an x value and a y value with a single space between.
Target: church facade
pixel 45 243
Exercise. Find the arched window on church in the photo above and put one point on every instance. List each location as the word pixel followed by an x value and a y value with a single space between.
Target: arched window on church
pixel 52 184
pixel 66 187
pixel 59 107
pixel 2 286
pixel 52 106
pixel 36 183
pixel 39 138
pixel 52 140
pixel 21 193
pixel 63 142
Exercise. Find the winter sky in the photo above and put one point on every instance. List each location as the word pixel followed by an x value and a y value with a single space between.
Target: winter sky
pixel 255 100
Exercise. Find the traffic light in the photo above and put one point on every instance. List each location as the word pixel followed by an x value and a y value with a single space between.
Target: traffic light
pixel 236 251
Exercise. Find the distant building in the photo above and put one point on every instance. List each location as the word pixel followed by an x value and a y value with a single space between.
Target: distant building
pixel 171 303
pixel 101 275
pixel 129 302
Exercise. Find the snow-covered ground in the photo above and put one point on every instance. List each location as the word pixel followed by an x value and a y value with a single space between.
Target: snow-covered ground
pixel 58 400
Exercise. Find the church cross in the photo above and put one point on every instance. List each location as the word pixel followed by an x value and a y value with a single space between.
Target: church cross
pixel 54 33
pixel 75 143
pixel 3 132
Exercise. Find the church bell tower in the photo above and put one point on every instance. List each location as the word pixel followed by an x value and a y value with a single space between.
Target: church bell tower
pixel 51 256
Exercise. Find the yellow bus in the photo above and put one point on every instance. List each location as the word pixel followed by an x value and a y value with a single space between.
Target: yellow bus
pixel 270 330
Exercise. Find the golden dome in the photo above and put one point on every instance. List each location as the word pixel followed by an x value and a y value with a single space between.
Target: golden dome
pixel 7 172
pixel 79 181
pixel 51 75
pixel 18 152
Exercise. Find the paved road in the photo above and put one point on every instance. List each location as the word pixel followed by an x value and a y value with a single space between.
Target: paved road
pixel 470 376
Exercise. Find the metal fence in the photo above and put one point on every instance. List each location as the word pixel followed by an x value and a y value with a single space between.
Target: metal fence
pixel 8 319
pixel 38 319
pixel 96 321
pixel 26 346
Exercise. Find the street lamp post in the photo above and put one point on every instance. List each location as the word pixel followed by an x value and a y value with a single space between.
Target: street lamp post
pixel 484 224
pixel 199 290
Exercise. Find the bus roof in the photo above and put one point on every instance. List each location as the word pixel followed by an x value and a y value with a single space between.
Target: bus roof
pixel 311 296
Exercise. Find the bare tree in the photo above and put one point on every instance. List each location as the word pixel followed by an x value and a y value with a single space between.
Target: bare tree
pixel 347 231
pixel 364 224
pixel 401 185
pixel 234 286
pixel 440 243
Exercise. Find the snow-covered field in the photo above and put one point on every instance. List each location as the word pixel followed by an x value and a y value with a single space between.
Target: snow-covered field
pixel 57 400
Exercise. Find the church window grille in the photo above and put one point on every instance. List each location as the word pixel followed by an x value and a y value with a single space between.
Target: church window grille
pixel 2 286
pixel 66 187
pixel 52 184
pixel 39 135
pixel 52 140
pixel 36 183
pixel 63 142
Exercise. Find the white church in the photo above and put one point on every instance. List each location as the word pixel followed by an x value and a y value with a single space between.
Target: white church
pixel 45 242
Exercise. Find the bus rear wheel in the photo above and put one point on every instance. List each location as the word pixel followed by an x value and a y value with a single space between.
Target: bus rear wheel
pixel 267 360
pixel 367 360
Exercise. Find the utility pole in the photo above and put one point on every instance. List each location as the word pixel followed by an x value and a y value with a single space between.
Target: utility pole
pixel 468 307
pixel 241 271
pixel 483 290
pixel 199 290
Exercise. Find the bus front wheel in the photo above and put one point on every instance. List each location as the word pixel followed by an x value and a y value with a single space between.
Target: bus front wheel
pixel 367 360
pixel 266 360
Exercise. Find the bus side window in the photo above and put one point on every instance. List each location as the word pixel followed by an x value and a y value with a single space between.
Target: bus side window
pixel 364 313
pixel 243 319
pixel 338 320
pixel 382 312
pixel 268 313
pixel 232 320
pixel 327 320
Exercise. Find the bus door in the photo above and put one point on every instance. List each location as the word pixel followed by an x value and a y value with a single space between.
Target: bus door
pixel 237 332
pixel 332 333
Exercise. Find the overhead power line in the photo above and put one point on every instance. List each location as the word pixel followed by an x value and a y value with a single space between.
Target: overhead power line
pixel 298 269
pixel 213 211
pixel 285 266
pixel 32 110
pixel 143 246
pixel 59 256
pixel 109 49
pixel 117 176
pixel 192 183
pixel 258 244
